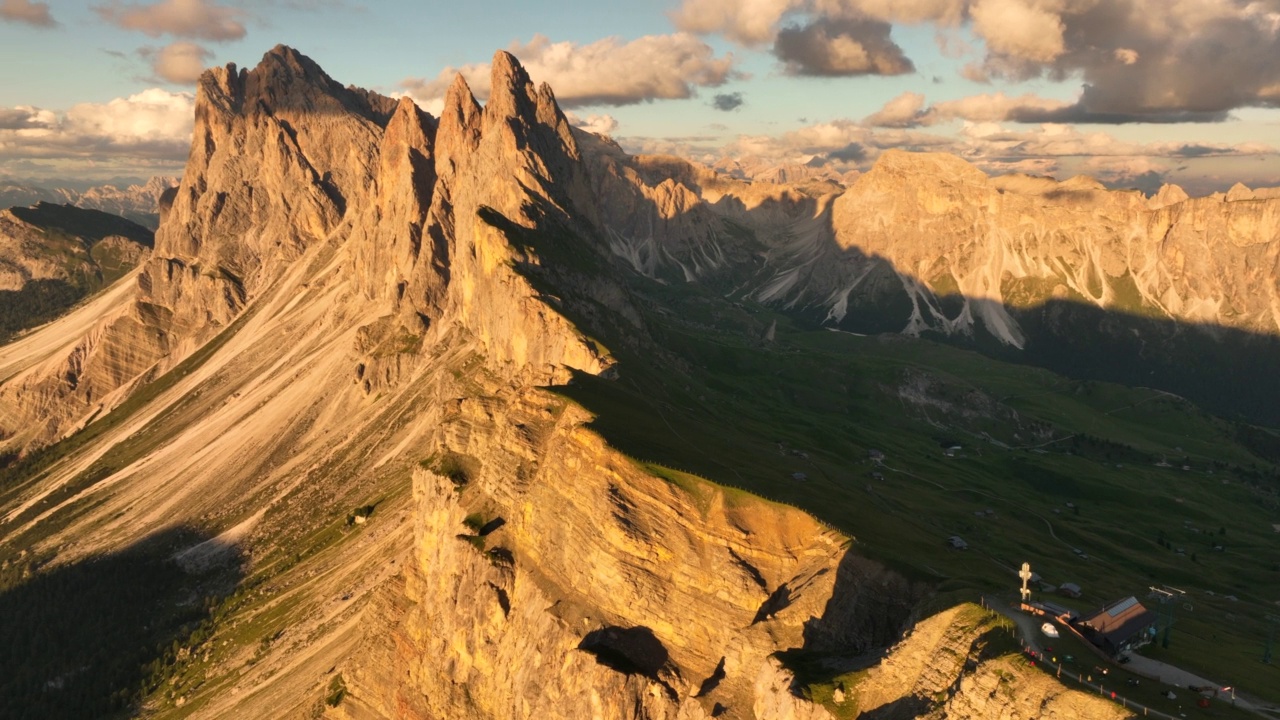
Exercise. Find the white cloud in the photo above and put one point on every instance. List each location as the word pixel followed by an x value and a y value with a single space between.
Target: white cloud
pixel 598 124
pixel 1128 56
pixel 151 126
pixel 908 110
pixel 753 23
pixel 993 107
pixel 180 18
pixel 25 11
pixel 902 111
pixel 605 72
pixel 747 22
pixel 1019 28
pixel 180 62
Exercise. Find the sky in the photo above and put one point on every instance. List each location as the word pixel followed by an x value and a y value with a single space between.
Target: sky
pixel 1133 92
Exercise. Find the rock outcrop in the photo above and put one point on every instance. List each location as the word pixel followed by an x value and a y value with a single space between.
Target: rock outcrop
pixel 438 262
pixel 554 577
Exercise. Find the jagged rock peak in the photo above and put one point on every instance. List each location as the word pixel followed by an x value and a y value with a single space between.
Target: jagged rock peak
pixel 1239 191
pixel 459 127
pixel 1169 194
pixel 407 152
pixel 511 93
pixel 285 80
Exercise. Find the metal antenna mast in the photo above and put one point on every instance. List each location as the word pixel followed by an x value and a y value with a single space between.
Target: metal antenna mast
pixel 1167 595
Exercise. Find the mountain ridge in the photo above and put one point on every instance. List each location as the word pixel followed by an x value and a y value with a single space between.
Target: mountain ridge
pixel 349 366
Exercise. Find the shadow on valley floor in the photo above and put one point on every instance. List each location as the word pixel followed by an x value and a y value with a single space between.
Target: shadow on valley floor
pixel 89 639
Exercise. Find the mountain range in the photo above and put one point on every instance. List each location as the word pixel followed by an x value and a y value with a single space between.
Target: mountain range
pixel 136 202
pixel 413 416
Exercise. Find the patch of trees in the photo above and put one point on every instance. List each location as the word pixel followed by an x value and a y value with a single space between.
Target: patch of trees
pixel 1098 448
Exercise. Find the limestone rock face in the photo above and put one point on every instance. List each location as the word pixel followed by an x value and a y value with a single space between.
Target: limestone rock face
pixel 584 586
pixel 285 160
pixel 22 255
pixel 945 227
pixel 277 152
pixel 934 226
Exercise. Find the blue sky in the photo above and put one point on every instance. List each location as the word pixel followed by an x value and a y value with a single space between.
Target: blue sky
pixel 1178 91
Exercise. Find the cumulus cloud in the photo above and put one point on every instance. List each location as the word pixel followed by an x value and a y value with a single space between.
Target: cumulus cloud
pixel 852 153
pixel 605 72
pixel 181 18
pixel 902 111
pixel 180 62
pixel 833 47
pixel 747 22
pixel 995 107
pixel 25 116
pixel 25 11
pixel 151 126
pixel 598 124
pixel 1146 61
pixel 1128 56
pixel 1019 28
pixel 1137 60
pixel 754 23
pixel 908 109
pixel 727 102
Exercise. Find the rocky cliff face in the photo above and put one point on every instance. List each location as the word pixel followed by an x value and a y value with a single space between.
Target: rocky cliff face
pixel 53 256
pixel 967 252
pixel 418 269
pixel 139 203
pixel 285 160
pixel 554 577
pixel 1016 242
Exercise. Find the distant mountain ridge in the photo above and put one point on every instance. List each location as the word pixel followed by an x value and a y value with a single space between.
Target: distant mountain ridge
pixel 139 203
